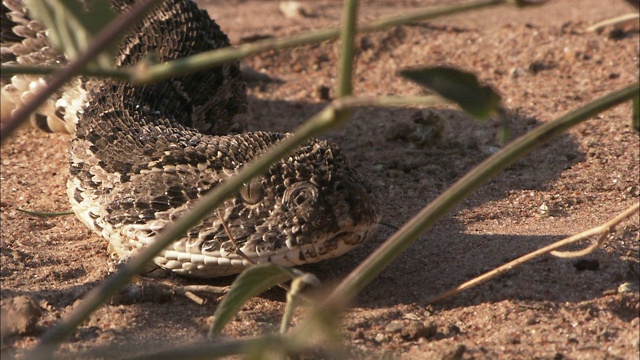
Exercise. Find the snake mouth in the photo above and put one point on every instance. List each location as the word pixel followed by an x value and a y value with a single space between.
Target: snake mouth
pixel 200 265
pixel 334 246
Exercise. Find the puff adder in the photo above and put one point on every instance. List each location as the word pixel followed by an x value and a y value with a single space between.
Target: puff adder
pixel 142 155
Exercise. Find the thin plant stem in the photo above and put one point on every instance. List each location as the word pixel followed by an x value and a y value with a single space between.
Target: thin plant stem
pixel 604 230
pixel 347 39
pixel 123 73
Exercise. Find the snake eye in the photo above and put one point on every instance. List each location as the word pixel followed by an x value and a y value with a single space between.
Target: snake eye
pixel 252 192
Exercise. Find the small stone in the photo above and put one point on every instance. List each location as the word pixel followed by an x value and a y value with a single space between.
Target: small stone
pixel 543 211
pixel 411 316
pixel 295 9
pixel 517 72
pixel 416 330
pixel 379 337
pixel 394 327
pixel 19 316
pixel 628 287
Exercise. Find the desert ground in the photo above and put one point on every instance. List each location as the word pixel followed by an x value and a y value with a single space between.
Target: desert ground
pixel 543 61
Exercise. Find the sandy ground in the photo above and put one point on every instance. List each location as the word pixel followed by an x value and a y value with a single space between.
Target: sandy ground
pixel 542 61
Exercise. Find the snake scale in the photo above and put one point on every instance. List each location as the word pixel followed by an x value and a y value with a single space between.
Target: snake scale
pixel 142 155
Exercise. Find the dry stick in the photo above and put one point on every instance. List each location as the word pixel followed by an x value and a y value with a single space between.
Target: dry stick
pixel 210 289
pixel 615 21
pixel 233 241
pixel 603 230
pixel 238 251
pixel 193 297
pixel 612 223
pixel 123 73
pixel 110 33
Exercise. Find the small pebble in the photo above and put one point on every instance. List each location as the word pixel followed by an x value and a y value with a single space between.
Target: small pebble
pixel 394 327
pixel 295 9
pixel 416 330
pixel 19 316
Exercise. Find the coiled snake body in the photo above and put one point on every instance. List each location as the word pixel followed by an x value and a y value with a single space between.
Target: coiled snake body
pixel 142 155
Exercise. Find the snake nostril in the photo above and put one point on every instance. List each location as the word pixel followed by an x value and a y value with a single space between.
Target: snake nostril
pixel 300 194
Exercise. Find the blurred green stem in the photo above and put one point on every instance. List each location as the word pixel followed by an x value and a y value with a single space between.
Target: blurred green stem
pixel 347 48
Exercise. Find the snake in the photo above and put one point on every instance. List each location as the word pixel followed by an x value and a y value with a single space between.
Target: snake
pixel 142 155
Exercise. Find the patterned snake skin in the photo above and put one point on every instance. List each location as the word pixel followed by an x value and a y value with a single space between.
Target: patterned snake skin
pixel 142 155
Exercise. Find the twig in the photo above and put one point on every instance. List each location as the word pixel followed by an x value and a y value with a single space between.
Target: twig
pixel 603 230
pixel 616 21
pixel 193 297
pixel 233 241
pixel 209 289
pixel 123 73
pixel 238 251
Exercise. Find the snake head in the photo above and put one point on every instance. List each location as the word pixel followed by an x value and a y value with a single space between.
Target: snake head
pixel 314 204
pixel 308 207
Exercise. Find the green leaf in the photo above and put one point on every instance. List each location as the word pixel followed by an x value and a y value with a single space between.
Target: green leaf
pixel 636 113
pixel 73 24
pixel 458 86
pixel 253 281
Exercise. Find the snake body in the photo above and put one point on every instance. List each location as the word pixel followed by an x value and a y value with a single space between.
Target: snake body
pixel 143 155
